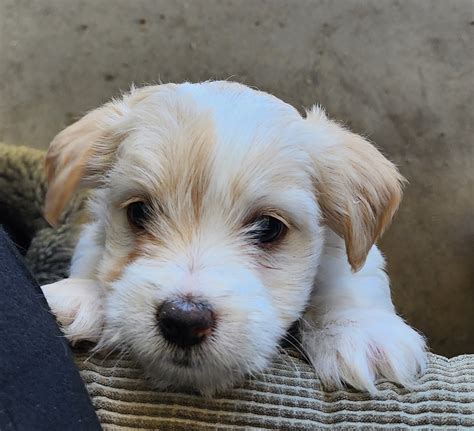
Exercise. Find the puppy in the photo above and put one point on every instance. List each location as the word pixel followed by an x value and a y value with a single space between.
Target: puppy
pixel 219 217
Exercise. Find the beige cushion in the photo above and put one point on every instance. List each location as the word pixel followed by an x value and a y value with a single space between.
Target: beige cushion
pixel 287 396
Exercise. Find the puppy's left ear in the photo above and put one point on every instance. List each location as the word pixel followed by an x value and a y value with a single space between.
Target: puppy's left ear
pixel 78 151
pixel 358 189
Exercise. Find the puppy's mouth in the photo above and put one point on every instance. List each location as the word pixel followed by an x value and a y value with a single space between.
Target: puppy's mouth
pixel 193 357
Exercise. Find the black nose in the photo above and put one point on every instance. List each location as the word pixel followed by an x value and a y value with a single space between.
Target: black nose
pixel 185 323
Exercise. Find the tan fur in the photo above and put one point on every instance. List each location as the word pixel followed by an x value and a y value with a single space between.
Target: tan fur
pixel 181 178
pixel 68 155
pixel 193 164
pixel 139 249
pixel 359 190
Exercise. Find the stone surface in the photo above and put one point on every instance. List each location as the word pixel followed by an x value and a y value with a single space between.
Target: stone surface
pixel 399 72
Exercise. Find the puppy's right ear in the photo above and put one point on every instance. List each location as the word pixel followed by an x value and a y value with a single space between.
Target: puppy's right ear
pixel 83 146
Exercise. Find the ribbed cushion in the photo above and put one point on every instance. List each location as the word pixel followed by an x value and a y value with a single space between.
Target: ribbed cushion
pixel 287 396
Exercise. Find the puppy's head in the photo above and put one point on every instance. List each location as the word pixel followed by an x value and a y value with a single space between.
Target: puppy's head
pixel 210 202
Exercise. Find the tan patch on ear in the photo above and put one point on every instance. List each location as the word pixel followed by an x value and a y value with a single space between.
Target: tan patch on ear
pixel 68 155
pixel 64 177
pixel 359 190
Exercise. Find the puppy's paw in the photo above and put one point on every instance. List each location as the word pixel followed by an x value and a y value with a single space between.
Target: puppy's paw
pixel 357 347
pixel 77 305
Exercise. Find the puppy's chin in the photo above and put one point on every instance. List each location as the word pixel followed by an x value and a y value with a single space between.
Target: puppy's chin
pixel 204 376
pixel 207 369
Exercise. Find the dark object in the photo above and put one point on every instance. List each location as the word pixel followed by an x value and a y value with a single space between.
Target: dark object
pixel 185 323
pixel 40 387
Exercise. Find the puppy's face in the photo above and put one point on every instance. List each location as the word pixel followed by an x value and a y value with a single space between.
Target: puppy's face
pixel 210 202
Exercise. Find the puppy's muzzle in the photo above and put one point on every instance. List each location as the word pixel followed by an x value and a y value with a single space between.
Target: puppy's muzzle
pixel 185 323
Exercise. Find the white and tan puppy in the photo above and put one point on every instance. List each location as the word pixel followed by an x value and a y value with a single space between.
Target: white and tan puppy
pixel 219 217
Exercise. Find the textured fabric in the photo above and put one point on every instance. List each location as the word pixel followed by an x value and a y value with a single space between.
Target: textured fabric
pixel 47 249
pixel 21 193
pixel 40 388
pixel 286 396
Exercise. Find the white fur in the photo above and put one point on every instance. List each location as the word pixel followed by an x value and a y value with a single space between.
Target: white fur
pixel 77 304
pixel 256 152
pixel 350 329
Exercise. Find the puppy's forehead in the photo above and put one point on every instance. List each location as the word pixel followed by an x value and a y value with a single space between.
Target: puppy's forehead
pixel 239 111
pixel 214 141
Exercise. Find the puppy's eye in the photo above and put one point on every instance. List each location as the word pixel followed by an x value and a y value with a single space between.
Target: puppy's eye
pixel 268 230
pixel 137 214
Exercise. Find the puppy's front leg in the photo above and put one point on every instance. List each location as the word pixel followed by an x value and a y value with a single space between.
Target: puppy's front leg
pixel 77 305
pixel 351 331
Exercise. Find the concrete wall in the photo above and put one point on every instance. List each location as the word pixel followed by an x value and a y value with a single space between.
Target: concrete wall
pixel 399 71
